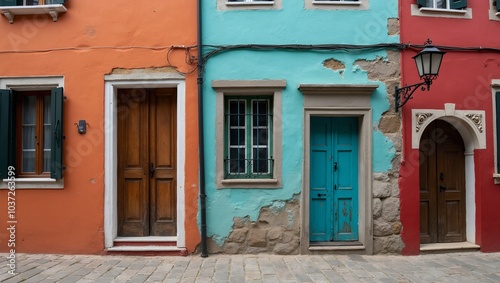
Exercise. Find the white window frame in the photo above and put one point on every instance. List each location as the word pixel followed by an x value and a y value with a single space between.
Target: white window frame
pixel 249 88
pixel 33 83
pixel 494 13
pixel 337 5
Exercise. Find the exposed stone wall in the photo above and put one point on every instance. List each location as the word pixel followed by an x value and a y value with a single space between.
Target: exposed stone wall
pixel 276 231
pixel 386 204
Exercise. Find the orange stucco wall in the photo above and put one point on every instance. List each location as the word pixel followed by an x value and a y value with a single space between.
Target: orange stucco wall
pixel 85 44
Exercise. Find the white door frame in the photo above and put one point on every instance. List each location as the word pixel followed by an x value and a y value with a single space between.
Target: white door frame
pixel 139 80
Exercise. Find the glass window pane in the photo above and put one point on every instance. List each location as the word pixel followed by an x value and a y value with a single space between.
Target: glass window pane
pixel 237 113
pixel 28 160
pixel 260 160
pixel 46 160
pixel 237 160
pixel 237 137
pixel 260 137
pixel 29 137
pixel 29 110
pixel 47 137
pixel 260 112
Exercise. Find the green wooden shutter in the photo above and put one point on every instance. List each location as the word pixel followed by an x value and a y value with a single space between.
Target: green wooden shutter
pixel 11 2
pixel 56 147
pixel 497 108
pixel 498 5
pixel 458 4
pixel 7 131
pixel 422 3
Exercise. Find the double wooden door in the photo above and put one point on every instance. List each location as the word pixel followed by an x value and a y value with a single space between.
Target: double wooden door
pixel 442 184
pixel 146 162
pixel 333 179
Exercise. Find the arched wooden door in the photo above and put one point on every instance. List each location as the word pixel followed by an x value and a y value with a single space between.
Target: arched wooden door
pixel 442 184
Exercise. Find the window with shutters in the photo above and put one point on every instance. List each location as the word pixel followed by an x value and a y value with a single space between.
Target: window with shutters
pixel 494 12
pixel 442 8
pixel 13 8
pixel 248 133
pixel 31 135
pixel 443 4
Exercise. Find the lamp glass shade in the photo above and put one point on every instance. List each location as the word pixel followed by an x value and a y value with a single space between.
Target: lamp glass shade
pixel 429 61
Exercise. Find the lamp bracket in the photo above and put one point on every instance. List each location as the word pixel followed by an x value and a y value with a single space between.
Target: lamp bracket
pixel 403 94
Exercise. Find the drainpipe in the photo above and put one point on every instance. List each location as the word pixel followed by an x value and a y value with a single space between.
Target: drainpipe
pixel 201 141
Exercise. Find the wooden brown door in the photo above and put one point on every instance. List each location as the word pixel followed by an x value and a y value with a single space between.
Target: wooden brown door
pixel 442 184
pixel 146 162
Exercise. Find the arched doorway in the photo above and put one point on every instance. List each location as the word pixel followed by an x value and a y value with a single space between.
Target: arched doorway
pixel 442 184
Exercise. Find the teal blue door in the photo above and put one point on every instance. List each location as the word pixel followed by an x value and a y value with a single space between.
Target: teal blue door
pixel 333 179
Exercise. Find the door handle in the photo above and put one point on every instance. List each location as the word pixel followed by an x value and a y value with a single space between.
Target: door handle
pixel 151 170
pixel 442 188
pixel 321 195
pixel 335 166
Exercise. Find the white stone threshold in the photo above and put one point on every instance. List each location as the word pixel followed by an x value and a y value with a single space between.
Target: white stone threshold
pixel 144 249
pixel 461 246
pixel 336 248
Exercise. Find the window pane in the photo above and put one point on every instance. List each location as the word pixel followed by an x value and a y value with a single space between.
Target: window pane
pixel 46 123
pixel 29 110
pixel 237 137
pixel 237 160
pixel 46 160
pixel 237 113
pixel 28 161
pixel 260 136
pixel 260 112
pixel 260 160
pixel 29 137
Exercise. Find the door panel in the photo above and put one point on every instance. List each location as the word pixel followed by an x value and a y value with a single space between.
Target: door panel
pixel 146 162
pixel 321 181
pixel 333 179
pixel 442 185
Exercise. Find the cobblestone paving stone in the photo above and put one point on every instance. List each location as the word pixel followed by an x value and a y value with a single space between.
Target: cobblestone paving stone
pixel 452 267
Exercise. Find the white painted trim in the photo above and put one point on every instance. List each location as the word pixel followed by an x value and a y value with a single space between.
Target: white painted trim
pixel 473 139
pixel 150 239
pixel 151 248
pixel 442 13
pixel 138 79
pixel 224 5
pixel 493 13
pixel 495 87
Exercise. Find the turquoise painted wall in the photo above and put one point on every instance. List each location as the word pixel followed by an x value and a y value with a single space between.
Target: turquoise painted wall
pixel 290 25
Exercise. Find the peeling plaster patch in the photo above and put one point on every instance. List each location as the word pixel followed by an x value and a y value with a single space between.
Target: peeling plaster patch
pixel 151 70
pixel 393 26
pixel 335 65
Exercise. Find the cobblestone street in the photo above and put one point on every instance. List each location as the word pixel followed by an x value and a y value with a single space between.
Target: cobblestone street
pixel 453 267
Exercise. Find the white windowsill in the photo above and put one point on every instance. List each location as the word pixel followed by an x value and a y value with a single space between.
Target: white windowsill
pixel 444 11
pixel 268 3
pixel 249 181
pixel 10 12
pixel 358 3
pixel 34 183
pixel 496 178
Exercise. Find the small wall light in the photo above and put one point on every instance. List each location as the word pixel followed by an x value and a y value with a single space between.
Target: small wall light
pixel 81 126
pixel 428 64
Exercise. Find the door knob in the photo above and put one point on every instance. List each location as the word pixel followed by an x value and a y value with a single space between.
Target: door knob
pixel 442 188
pixel 335 166
pixel 151 170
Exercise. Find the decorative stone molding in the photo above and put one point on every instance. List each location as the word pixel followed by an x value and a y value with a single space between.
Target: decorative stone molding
pixel 421 117
pixel 477 119
pixel 470 124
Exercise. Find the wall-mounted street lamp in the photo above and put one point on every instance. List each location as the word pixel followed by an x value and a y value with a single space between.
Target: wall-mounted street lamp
pixel 428 63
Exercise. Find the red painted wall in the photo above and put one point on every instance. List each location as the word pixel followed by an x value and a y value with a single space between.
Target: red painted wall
pixel 465 79
pixel 85 44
